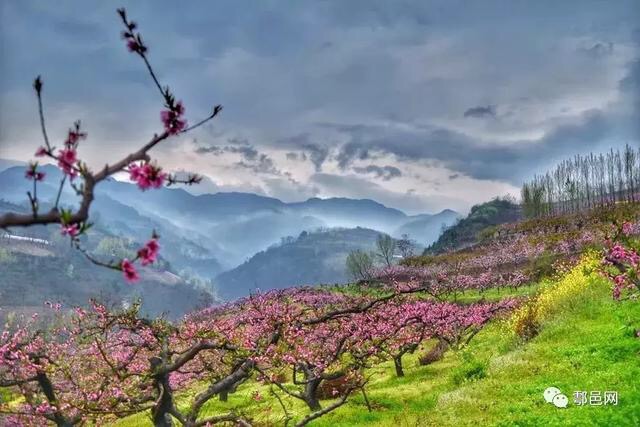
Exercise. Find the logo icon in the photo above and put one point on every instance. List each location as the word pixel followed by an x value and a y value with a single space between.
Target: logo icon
pixel 555 396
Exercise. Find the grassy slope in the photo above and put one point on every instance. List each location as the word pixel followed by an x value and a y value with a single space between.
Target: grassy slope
pixel 587 345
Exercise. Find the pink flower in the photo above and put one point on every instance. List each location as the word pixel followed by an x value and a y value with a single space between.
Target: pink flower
pixel 129 271
pixel 71 230
pixel 73 137
pixel 147 175
pixel 149 252
pixel 32 174
pixel 153 245
pixel 66 159
pixel 172 119
pixel 629 228
pixel 68 156
pixel 41 151
pixel 133 46
pixel 135 172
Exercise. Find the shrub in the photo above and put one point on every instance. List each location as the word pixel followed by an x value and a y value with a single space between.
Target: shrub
pixel 527 319
pixel 544 265
pixel 470 371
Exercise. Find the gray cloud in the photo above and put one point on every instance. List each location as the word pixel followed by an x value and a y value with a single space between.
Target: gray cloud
pixel 481 159
pixel 334 83
pixel 248 152
pixel 479 112
pixel 384 172
pixel 296 156
pixel 211 149
pixel 350 152
pixel 316 153
pixel 260 164
pixel 252 159
pixel 599 49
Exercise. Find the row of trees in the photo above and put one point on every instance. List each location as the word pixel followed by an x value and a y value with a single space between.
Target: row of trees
pixel 584 182
pixel 92 366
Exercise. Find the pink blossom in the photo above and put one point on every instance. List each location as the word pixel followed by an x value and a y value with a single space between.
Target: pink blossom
pixel 41 151
pixel 149 252
pixel 73 137
pixel 71 230
pixel 172 119
pixel 133 46
pixel 32 174
pixel 146 175
pixel 66 159
pixel 129 271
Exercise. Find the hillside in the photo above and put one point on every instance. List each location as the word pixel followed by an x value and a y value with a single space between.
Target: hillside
pixel 498 381
pixel 568 331
pixel 44 267
pixel 466 231
pixel 311 258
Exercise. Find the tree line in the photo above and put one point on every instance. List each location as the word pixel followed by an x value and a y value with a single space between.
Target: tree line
pixel 584 182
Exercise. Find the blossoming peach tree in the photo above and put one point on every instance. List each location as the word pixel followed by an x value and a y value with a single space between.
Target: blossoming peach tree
pixel 76 173
pixel 621 261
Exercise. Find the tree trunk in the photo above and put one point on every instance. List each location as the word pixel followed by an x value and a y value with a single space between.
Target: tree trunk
pixel 311 393
pixel 160 413
pixel 435 353
pixel 397 362
pixel 47 389
pixel 224 395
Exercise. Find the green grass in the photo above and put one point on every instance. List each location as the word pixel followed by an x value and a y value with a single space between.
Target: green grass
pixel 496 380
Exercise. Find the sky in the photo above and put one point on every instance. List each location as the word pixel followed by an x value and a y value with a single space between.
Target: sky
pixel 419 105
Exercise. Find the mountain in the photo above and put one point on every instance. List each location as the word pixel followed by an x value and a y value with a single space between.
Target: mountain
pixel 234 226
pixel 246 235
pixel 311 258
pixel 466 231
pixel 6 164
pixel 425 229
pixel 350 213
pixel 117 219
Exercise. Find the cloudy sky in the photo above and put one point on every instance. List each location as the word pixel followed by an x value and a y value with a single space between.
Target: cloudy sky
pixel 420 105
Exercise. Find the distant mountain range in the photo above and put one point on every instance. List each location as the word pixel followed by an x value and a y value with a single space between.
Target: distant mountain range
pixel 207 234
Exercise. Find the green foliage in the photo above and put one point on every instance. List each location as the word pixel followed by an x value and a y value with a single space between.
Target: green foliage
pixel 487 233
pixel 543 266
pixel 469 230
pixel 469 369
pixel 386 247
